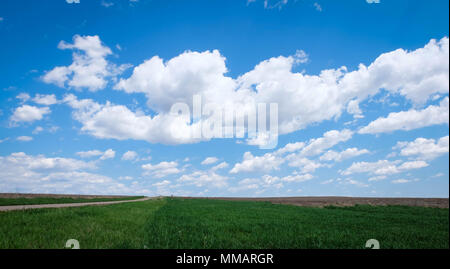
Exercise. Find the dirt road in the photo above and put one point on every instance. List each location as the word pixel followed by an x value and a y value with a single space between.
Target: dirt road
pixel 24 207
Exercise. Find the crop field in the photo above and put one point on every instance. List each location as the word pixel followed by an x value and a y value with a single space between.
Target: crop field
pixel 172 223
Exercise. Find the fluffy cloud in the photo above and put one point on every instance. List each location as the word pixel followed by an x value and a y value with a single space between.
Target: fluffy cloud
pixel 298 153
pixel 221 165
pixel 23 97
pixel 204 178
pixel 383 167
pixel 108 154
pixel 401 181
pixel 400 72
pixel 423 148
pixel 377 178
pixel 301 98
pixel 339 156
pixel 104 155
pixel 412 165
pixel 28 113
pixel 417 75
pixel 264 163
pixel 349 181
pixel 89 153
pixel 162 184
pixel 42 163
pixel 161 169
pixel 290 147
pixel 179 79
pixel 268 182
pixel 259 185
pixel 72 1
pixel 306 165
pixel 129 155
pixel 409 120
pixel 272 81
pixel 37 130
pixel 331 138
pixel 118 122
pixel 346 181
pixel 89 68
pixel 209 160
pixel 39 174
pixel 45 99
pixel 246 185
pixel 301 151
pixel 24 138
pixel 353 108
pixel 295 177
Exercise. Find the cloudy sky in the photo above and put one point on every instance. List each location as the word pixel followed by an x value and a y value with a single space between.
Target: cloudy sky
pixel 362 88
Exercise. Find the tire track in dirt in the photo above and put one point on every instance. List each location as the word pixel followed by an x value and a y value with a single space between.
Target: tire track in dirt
pixel 26 207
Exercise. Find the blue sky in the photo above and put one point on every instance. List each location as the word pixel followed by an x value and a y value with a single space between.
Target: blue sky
pixel 362 92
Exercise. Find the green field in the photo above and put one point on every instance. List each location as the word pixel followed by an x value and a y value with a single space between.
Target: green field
pixel 51 200
pixel 196 223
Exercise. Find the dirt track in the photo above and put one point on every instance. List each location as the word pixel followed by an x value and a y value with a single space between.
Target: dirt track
pixel 24 207
pixel 43 195
pixel 344 201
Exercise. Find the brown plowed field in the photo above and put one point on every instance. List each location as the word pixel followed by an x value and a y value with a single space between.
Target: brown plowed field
pixel 343 201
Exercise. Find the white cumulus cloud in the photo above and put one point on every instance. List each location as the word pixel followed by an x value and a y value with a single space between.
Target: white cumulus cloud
pixel 209 160
pixel 104 155
pixel 45 99
pixel 422 148
pixel 129 155
pixel 27 113
pixel 161 169
pixel 410 120
pixel 416 75
pixel 89 68
pixel 39 174
pixel 343 155
pixel 251 163
pixel 383 167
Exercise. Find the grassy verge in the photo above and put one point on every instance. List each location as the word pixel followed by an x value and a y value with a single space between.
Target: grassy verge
pixel 178 223
pixel 51 200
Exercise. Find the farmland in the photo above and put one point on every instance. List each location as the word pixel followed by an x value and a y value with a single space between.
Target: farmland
pixel 175 223
pixel 37 199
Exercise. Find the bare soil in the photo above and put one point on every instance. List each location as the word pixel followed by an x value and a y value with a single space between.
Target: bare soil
pixel 343 201
pixel 298 201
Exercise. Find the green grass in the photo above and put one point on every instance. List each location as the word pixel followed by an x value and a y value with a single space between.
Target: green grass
pixel 52 200
pixel 195 223
pixel 110 226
